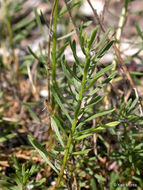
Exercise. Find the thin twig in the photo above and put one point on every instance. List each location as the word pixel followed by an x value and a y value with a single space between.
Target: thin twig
pixel 103 11
pixel 72 20
pixel 96 16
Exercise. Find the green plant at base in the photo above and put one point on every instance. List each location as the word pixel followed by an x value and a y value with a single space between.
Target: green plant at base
pixel 20 179
pixel 129 153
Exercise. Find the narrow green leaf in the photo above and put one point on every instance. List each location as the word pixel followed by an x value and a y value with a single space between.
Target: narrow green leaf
pixel 24 33
pixel 72 73
pixel 39 23
pixel 32 113
pixel 88 132
pixel 128 104
pixel 55 127
pixel 59 124
pixel 67 74
pixel 18 180
pixel 136 73
pixel 92 37
pixel 6 137
pixel 105 82
pixel 62 98
pixel 73 32
pixel 32 103
pixel 43 153
pixel 6 184
pixel 66 36
pixel 34 55
pixel 140 33
pixel 100 178
pixel 98 75
pixel 138 147
pixel 102 40
pixel 21 24
pixel 61 50
pixel 64 10
pixel 94 101
pixel 83 137
pixel 103 50
pixel 95 116
pixel 73 48
pixel 133 105
pixel 60 104
pixel 81 152
pixel 40 182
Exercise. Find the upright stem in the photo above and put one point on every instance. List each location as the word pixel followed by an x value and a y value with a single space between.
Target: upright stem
pixel 53 20
pixel 54 44
pixel 66 155
pixel 72 19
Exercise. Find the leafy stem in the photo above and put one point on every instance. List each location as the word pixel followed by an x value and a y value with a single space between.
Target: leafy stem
pixel 75 120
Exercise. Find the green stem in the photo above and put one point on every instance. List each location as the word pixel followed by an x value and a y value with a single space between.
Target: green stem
pixel 75 120
pixel 54 42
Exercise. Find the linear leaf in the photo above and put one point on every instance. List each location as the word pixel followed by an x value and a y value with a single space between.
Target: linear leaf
pixel 92 37
pixel 5 137
pixel 98 75
pixel 73 48
pixel 39 23
pixel 60 104
pixel 95 116
pixel 81 152
pixel 7 185
pixel 43 153
pixel 59 124
pixel 133 105
pixel 88 132
pixel 128 104
pixel 140 33
pixel 105 82
pixel 64 10
pixel 34 55
pixel 22 34
pixel 32 103
pixel 23 23
pixel 63 62
pixel 73 32
pixel 103 50
pixel 55 127
pixel 72 73
pixel 32 113
pixel 61 50
pixel 93 102
pixel 136 73
pixel 66 36
pixel 102 40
